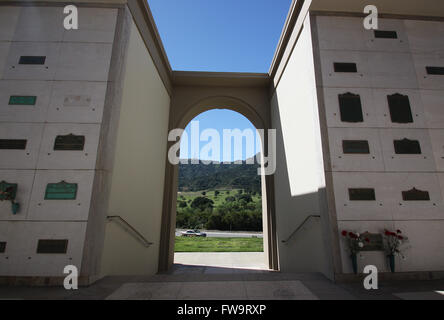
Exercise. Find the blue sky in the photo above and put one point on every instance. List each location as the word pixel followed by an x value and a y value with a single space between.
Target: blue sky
pixel 220 35
pixel 224 36
pixel 219 119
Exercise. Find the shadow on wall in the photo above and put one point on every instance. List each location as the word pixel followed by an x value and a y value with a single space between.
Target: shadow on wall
pixel 304 250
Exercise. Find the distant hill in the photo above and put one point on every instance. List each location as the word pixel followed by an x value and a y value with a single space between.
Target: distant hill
pixel 196 177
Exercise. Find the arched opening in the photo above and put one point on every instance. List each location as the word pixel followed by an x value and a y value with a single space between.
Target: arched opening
pixel 182 119
pixel 219 216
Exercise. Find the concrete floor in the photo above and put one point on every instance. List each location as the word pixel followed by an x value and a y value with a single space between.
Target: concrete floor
pixel 234 260
pixel 203 282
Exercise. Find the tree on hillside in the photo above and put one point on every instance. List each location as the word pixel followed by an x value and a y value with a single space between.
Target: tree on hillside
pixel 202 203
pixel 244 197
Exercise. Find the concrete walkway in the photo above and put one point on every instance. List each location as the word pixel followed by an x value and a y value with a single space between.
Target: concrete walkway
pixel 185 282
pixel 215 290
pixel 235 260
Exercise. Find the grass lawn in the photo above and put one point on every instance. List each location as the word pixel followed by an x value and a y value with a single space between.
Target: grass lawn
pixel 197 244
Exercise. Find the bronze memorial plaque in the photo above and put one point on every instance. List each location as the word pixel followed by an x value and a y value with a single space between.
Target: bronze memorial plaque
pixel 13 144
pixel 69 142
pixel 372 242
pixel 52 246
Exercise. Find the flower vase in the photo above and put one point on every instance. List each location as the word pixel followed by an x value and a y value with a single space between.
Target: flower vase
pixel 391 258
pixel 354 260
pixel 15 207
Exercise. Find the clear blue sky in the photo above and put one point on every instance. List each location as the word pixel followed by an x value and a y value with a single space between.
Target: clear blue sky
pixel 220 119
pixel 220 35
pixel 224 36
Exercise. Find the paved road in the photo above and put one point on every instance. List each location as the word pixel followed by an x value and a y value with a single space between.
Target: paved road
pixel 227 234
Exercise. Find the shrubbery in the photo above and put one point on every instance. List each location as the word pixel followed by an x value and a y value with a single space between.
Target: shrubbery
pixel 237 213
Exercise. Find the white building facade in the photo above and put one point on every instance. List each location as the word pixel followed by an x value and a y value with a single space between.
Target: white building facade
pixel 85 116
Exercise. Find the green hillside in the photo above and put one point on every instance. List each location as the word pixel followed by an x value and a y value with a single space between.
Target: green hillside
pixel 197 177
pixel 219 197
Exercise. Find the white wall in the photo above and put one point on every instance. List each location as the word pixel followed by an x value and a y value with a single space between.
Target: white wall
pixel 76 70
pixel 139 166
pixel 385 67
pixel 299 174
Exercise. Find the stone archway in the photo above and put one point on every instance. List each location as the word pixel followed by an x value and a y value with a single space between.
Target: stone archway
pixel 182 111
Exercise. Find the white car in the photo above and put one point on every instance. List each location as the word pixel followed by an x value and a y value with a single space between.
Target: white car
pixel 193 233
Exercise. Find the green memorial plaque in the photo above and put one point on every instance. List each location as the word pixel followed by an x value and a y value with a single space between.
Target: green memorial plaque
pixel 69 142
pixel 8 191
pixel 61 191
pixel 22 100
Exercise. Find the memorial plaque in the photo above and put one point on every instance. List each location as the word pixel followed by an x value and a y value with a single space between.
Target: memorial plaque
pixel 69 142
pixel 399 106
pixel 77 101
pixel 355 147
pixel 435 70
pixel 381 34
pixel 13 144
pixel 8 191
pixel 415 195
pixel 350 107
pixel 32 60
pixel 406 146
pixel 364 194
pixel 22 100
pixel 2 247
pixel 52 246
pixel 345 67
pixel 375 242
pixel 61 191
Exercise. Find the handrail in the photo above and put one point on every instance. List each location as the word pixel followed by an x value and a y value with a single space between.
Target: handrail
pixel 300 226
pixel 136 234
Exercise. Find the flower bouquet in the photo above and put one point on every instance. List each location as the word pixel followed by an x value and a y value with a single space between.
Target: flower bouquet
pixel 393 241
pixel 7 196
pixel 355 243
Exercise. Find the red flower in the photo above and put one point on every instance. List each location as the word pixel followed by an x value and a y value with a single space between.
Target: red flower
pixel 387 233
pixel 367 239
pixel 344 233
pixel 398 231
pixel 400 237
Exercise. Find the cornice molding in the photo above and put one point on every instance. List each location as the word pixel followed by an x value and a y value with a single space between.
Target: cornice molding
pixel 224 79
